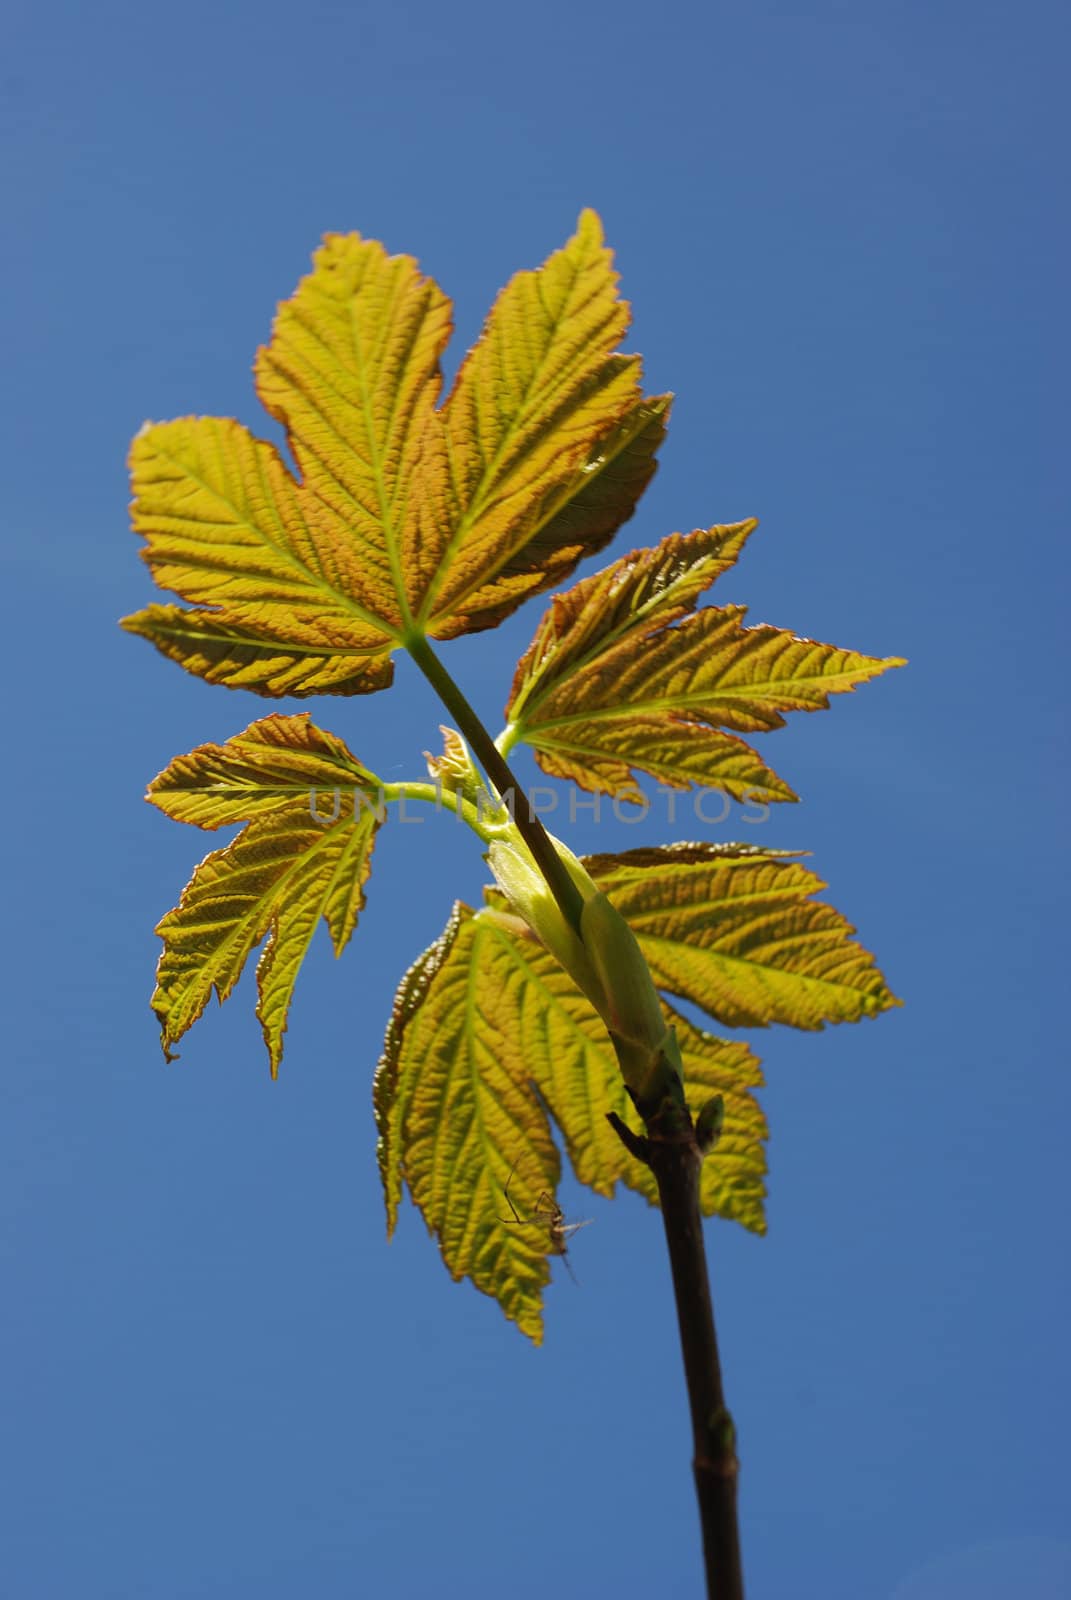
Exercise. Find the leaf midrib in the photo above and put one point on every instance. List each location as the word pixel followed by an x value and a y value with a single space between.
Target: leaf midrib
pixel 477 507
pixel 236 635
pixel 385 503
pixel 720 957
pixel 714 741
pixel 244 791
pixel 771 692
pixel 479 1085
pixel 604 642
pixel 556 504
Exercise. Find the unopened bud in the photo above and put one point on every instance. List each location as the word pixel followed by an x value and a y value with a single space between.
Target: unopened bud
pixel 604 959
pixel 527 891
pixel 709 1123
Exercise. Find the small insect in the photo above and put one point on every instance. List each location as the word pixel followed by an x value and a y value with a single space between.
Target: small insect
pixel 548 1215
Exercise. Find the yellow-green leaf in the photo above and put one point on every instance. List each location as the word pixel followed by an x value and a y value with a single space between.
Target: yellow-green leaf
pixel 226 526
pixel 523 432
pixel 613 478
pixel 645 590
pixel 487 1031
pixel 276 762
pixel 352 372
pixel 245 658
pixel 392 1088
pixel 551 1031
pixel 735 929
pixel 292 864
pixel 625 676
pixel 602 756
pixel 456 1121
pixel 406 519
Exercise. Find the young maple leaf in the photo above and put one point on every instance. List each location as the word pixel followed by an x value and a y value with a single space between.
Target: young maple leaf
pixel 289 867
pixel 488 1036
pixel 408 519
pixel 624 675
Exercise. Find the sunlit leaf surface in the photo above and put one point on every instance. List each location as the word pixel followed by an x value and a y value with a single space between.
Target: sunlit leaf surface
pixel 406 517
pixel 625 676
pixel 240 657
pixel 736 930
pixel 226 526
pixel 488 1034
pixel 305 854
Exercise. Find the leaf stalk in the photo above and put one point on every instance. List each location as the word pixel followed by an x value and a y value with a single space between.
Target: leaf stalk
pixel 532 831
pixel 439 796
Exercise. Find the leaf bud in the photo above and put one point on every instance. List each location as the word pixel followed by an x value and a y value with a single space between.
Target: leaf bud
pixel 709 1123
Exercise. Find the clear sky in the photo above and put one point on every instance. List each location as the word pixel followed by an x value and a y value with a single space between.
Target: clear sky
pixel 843 228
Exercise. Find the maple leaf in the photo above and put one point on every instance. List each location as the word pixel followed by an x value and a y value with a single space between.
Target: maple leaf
pixel 409 519
pixel 487 1035
pixel 624 675
pixel 734 928
pixel 454 1117
pixel 289 867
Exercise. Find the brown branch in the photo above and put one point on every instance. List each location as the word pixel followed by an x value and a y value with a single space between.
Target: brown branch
pixel 672 1153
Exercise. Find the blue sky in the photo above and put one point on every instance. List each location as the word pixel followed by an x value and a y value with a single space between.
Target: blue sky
pixel 843 233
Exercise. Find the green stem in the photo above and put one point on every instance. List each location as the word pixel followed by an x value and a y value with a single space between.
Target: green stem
pixel 434 794
pixel 511 734
pixel 532 831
